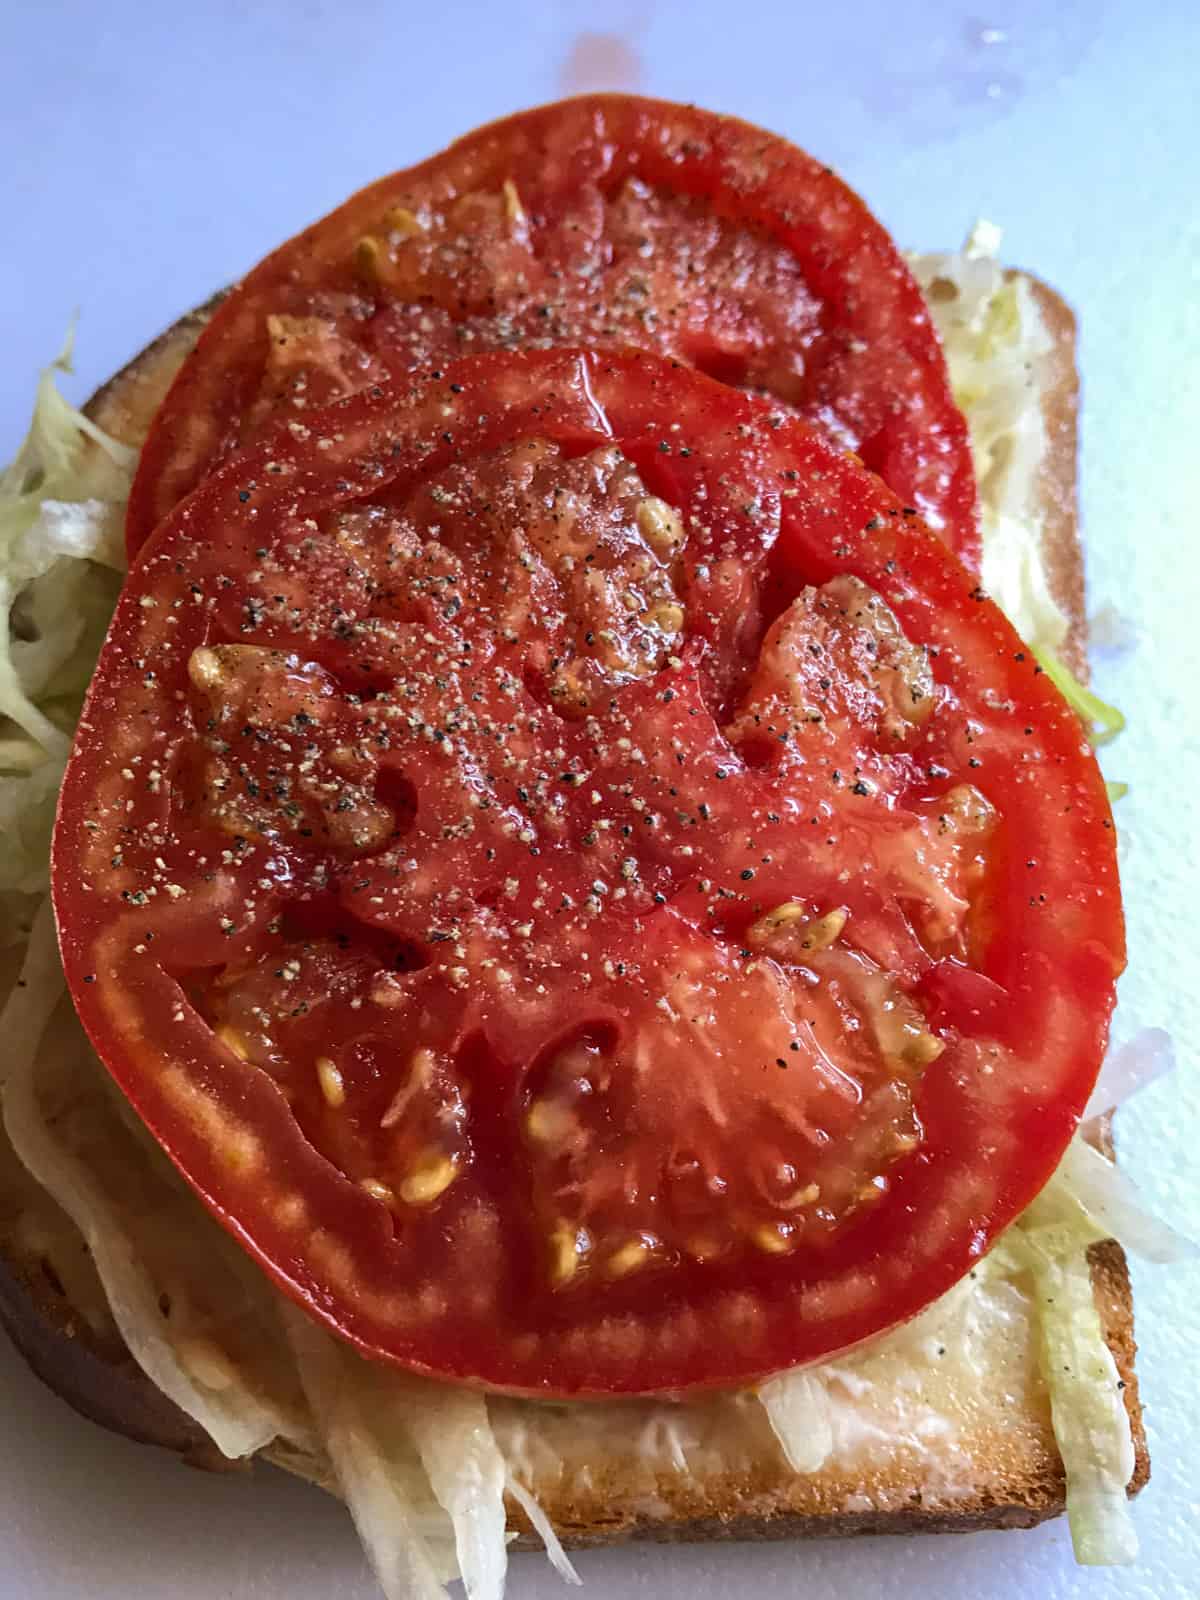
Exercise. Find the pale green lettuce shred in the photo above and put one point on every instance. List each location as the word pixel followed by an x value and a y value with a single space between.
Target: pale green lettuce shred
pixel 1089 1194
pixel 26 817
pixel 544 1529
pixel 1130 1068
pixel 450 1428
pixel 797 1408
pixel 388 1437
pixel 1103 722
pixel 1091 1425
pixel 992 335
pixel 1090 1422
pixel 61 513
pixel 1086 1201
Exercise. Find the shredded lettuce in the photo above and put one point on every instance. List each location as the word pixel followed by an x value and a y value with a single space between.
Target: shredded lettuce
pixel 1089 1191
pixel 1087 1200
pixel 797 1408
pixel 394 1440
pixel 1091 1425
pixel 61 508
pixel 992 337
pixel 407 1554
pixel 1129 1068
pixel 1015 576
pixel 1103 722
pixel 26 819
pixel 544 1529
pixel 458 1450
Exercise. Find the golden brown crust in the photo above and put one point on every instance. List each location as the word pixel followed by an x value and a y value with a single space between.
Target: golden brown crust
pixel 125 405
pixel 1062 548
pixel 96 1375
pixel 1114 1301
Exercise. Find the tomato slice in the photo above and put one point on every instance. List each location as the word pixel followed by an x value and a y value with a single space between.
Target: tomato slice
pixel 533 851
pixel 608 219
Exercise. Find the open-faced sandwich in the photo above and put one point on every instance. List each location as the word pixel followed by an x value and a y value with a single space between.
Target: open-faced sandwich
pixel 567 994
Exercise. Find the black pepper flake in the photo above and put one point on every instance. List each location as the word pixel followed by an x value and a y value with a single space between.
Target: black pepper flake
pixel 89 977
pixel 747 874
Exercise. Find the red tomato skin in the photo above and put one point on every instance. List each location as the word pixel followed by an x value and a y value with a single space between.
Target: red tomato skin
pixel 1056 957
pixel 880 375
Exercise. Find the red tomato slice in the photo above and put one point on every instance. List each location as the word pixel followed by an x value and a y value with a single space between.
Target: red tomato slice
pixel 609 219
pixel 518 851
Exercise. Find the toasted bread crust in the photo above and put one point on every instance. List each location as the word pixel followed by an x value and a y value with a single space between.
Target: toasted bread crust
pixel 1062 548
pixel 125 405
pixel 98 1377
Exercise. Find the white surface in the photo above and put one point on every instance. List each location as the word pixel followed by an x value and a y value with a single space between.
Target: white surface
pixel 147 155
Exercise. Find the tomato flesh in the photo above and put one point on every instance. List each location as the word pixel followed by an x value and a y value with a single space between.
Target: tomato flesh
pixel 605 220
pixel 516 854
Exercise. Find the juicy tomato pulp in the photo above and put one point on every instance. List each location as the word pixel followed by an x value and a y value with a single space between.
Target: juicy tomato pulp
pixel 600 221
pixel 525 844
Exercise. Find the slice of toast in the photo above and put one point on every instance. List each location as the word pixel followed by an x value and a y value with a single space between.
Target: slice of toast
pixel 947 1432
